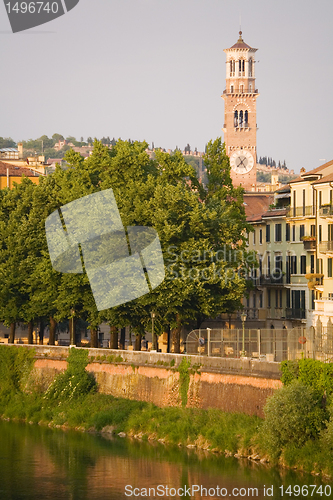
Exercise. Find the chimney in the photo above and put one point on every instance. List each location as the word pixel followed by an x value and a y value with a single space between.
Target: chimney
pixel 20 150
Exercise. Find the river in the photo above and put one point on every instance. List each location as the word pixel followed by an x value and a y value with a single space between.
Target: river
pixel 38 463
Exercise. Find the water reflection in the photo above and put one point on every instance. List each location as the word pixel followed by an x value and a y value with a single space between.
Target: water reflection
pixel 42 463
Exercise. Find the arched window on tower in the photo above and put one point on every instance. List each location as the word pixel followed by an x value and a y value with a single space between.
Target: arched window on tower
pixel 236 119
pixel 246 118
pixel 240 121
pixel 250 67
pixel 243 66
pixel 232 68
pixel 240 66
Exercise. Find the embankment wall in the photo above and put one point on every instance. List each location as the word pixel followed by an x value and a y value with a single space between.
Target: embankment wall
pixel 232 385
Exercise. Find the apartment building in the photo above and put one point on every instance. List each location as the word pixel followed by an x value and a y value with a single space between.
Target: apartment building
pixel 293 239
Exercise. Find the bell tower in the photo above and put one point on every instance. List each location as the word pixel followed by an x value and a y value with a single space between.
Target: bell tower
pixel 240 114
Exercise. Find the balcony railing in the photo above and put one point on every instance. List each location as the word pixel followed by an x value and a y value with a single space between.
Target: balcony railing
pixel 326 247
pixel 302 211
pixel 240 91
pixel 326 211
pixel 292 313
pixel 269 279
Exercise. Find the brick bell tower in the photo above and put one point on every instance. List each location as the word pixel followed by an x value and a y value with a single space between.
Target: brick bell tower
pixel 240 114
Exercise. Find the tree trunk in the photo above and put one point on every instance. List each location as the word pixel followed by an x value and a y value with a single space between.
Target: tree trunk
pixel 53 326
pixel 138 338
pixel 72 324
pixel 93 337
pixel 122 339
pixel 12 333
pixel 30 332
pixel 113 337
pixel 41 332
pixel 169 335
pixel 176 335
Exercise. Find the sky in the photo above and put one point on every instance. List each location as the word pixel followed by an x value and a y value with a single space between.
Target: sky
pixel 154 70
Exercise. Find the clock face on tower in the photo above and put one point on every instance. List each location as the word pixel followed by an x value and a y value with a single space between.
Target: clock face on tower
pixel 241 161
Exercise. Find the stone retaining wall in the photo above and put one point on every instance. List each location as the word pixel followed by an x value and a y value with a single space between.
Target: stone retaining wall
pixel 233 385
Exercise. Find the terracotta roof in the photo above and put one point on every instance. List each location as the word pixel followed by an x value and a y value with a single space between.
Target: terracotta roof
pixel 276 213
pixel 326 178
pixel 240 43
pixel 314 171
pixel 283 189
pixel 256 205
pixel 16 171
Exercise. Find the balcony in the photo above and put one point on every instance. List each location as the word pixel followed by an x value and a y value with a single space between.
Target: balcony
pixel 326 211
pixel 272 279
pixel 240 91
pixel 292 313
pixel 309 243
pixel 326 247
pixel 295 212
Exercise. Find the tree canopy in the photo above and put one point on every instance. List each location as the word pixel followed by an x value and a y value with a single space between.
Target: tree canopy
pixel 201 230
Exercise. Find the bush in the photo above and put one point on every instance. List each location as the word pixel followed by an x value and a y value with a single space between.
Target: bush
pixel 75 381
pixel 293 416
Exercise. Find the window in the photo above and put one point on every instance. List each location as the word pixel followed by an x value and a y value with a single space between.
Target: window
pixel 276 298
pixel 287 232
pixel 280 298
pixel 313 299
pixel 293 264
pixel 254 300
pixel 329 267
pixel 331 197
pixel 268 298
pixel 278 232
pixel 303 264
pixel 330 232
pixel 314 202
pixel 236 119
pixel 260 236
pixel 294 203
pixel 312 264
pixel 320 233
pixel 247 301
pixel 278 267
pixel 250 67
pixel 254 237
pixel 294 232
pixel 320 199
pixel 288 297
pixel 319 266
pixel 301 231
pixel 303 202
pixel 260 300
pixel 246 118
pixel 268 233
pixel 288 269
pixel 231 89
pixel 268 264
pixel 240 121
pixel 313 230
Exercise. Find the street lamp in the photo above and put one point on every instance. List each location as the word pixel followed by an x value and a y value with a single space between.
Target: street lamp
pixel 243 318
pixel 152 331
pixel 72 339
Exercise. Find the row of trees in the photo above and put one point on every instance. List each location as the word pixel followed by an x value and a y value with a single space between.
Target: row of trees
pixel 202 234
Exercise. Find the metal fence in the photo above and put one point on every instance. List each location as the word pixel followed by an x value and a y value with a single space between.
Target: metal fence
pixel 265 344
